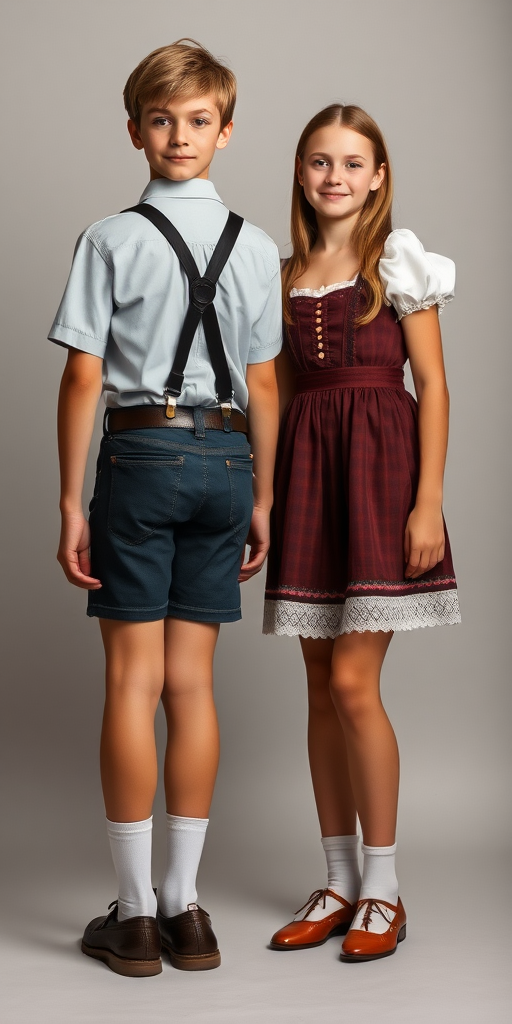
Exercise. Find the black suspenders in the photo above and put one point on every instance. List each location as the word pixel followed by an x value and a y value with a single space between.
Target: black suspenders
pixel 201 295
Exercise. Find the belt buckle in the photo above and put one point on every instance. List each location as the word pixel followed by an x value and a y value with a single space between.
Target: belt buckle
pixel 225 409
pixel 170 409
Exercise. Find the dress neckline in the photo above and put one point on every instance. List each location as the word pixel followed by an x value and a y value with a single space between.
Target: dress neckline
pixel 318 293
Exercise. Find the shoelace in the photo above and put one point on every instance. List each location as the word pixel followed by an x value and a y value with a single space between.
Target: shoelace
pixel 371 907
pixel 314 900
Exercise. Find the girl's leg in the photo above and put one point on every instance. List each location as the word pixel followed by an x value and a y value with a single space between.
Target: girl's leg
pixel 331 780
pixel 324 915
pixel 191 757
pixel 326 744
pixel 134 679
pixel 372 751
pixel 372 754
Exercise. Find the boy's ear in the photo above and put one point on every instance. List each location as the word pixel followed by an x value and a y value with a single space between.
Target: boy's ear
pixel 134 134
pixel 224 136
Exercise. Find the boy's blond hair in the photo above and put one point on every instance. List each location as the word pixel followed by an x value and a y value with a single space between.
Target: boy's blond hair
pixel 184 70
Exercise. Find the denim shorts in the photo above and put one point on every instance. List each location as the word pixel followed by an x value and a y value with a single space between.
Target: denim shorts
pixel 169 517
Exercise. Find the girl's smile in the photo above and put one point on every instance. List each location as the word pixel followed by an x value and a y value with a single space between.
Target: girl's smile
pixel 338 171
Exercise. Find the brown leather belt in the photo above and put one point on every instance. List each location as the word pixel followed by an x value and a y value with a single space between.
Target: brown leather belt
pixel 154 416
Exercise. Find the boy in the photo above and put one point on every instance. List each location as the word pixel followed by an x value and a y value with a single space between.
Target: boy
pixel 173 500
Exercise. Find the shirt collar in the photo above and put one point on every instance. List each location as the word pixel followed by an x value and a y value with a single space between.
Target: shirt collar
pixel 195 188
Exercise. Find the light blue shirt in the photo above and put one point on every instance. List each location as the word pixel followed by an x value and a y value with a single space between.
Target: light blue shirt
pixel 127 295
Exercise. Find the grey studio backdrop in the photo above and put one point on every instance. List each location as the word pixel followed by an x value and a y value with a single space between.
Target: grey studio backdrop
pixel 436 78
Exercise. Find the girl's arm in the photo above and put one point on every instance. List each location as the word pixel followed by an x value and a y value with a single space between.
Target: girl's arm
pixel 80 390
pixel 424 534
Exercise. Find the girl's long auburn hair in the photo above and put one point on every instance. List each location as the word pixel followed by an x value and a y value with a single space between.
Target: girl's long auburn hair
pixel 372 227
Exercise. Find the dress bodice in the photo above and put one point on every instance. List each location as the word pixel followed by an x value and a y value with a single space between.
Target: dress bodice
pixel 324 334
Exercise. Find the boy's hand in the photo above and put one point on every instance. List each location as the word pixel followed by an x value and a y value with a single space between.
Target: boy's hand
pixel 259 542
pixel 424 541
pixel 73 553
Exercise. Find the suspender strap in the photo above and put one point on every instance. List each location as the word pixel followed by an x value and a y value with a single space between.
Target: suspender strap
pixel 201 295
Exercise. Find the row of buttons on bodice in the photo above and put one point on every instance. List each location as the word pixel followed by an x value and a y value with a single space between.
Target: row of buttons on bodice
pixel 318 329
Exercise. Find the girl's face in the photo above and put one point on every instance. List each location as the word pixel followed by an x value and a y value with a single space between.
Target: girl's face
pixel 338 171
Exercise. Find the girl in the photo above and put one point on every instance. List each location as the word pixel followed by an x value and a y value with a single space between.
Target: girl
pixel 359 545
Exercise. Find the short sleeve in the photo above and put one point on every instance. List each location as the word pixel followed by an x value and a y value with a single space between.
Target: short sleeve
pixel 414 279
pixel 84 315
pixel 267 331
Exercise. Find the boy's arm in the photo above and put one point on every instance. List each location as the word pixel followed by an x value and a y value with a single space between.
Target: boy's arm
pixel 286 386
pixel 80 390
pixel 263 416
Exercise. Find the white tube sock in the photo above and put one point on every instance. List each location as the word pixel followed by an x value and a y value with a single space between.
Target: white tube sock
pixel 343 875
pixel 342 866
pixel 130 844
pixel 379 877
pixel 185 841
pixel 379 883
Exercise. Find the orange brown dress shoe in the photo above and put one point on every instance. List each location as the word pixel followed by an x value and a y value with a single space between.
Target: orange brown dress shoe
pixel 362 944
pixel 303 934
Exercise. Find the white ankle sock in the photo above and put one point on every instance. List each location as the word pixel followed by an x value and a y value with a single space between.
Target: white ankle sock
pixel 342 875
pixel 185 841
pixel 379 883
pixel 130 843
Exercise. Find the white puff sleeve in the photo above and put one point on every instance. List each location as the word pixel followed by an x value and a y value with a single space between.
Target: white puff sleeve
pixel 414 279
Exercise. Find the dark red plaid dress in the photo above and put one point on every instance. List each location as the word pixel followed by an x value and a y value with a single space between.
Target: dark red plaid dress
pixel 346 479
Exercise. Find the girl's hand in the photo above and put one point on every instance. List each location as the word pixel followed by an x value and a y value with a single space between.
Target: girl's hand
pixel 424 540
pixel 73 553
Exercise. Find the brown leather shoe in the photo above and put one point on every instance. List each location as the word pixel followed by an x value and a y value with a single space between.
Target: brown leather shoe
pixel 361 944
pixel 130 947
pixel 189 939
pixel 304 933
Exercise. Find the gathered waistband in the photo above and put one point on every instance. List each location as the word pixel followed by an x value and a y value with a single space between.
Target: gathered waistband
pixel 351 377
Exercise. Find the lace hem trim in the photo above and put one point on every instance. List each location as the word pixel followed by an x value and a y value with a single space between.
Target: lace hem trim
pixel 318 293
pixel 361 614
pixel 413 307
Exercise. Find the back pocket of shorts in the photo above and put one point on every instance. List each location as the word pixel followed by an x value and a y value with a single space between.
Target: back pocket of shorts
pixel 143 493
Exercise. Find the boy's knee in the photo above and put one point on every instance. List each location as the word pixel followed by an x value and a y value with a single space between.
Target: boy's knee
pixel 188 685
pixel 133 683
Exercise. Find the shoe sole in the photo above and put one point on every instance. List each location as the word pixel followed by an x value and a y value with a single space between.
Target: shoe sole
pixel 200 962
pixel 120 965
pixel 340 929
pixel 353 958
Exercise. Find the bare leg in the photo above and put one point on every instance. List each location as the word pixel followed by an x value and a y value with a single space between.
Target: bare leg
pixel 326 745
pixel 370 741
pixel 192 753
pixel 134 679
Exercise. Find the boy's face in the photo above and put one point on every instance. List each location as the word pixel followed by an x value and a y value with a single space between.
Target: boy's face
pixel 180 136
